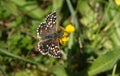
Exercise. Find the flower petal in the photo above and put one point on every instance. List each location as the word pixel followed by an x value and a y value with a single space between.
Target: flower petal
pixel 70 28
pixel 117 2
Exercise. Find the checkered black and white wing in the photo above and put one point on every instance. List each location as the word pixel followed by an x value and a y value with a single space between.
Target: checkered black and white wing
pixel 54 49
pixel 42 29
pixel 51 20
pixel 50 47
pixel 47 27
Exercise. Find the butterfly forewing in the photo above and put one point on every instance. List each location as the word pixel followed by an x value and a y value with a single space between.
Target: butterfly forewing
pixel 51 20
pixel 42 29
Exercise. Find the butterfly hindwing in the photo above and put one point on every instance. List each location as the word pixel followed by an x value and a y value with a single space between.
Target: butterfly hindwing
pixel 43 47
pixel 50 47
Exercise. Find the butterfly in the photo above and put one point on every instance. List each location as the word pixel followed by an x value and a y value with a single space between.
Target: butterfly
pixel 49 37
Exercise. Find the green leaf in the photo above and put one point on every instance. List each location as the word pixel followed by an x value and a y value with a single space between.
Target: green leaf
pixel 83 7
pixel 21 3
pixel 57 4
pixel 104 63
pixel 30 8
pixel 10 7
pixel 59 71
pixel 17 57
pixel 116 35
pixel 34 13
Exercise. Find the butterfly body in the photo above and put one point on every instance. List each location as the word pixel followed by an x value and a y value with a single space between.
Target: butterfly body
pixel 49 37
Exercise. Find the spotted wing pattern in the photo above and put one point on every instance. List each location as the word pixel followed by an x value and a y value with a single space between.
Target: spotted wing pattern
pixel 51 20
pixel 49 26
pixel 48 44
pixel 50 47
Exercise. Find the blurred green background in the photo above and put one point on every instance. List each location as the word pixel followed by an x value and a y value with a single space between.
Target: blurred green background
pixel 93 49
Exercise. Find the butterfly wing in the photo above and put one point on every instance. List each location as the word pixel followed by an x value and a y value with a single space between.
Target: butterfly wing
pixel 50 47
pixel 43 47
pixel 51 20
pixel 47 27
pixel 54 49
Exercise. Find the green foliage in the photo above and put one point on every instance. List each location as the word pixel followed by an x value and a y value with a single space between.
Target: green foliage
pixel 104 62
pixel 92 50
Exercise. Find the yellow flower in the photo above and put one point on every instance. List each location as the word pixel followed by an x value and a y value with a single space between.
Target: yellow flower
pixel 69 28
pixel 64 40
pixel 117 2
pixel 65 34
